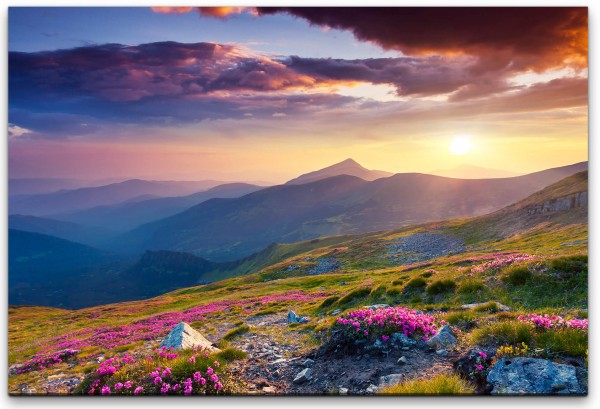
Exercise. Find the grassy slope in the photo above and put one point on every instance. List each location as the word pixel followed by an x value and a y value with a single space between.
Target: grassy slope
pixel 364 265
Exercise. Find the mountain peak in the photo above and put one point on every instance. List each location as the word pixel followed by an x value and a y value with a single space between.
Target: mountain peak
pixel 346 167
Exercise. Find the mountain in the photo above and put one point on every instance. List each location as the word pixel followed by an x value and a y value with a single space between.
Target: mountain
pixel 61 229
pixel 32 186
pixel 229 229
pixel 128 215
pixel 348 167
pixel 473 172
pixel 78 199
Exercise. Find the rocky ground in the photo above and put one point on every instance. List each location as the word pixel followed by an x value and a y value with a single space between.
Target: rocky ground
pixel 419 247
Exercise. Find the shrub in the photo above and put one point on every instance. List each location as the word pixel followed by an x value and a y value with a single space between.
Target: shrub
pixel 518 276
pixel 327 302
pixel 393 292
pixel 571 265
pixel 355 295
pixel 568 341
pixel 498 333
pixel 439 385
pixel 441 286
pixel 236 332
pixel 416 283
pixel 460 317
pixel 231 354
pixel 470 287
pixel 489 307
pixel 398 282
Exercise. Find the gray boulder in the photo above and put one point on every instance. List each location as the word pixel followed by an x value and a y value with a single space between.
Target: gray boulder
pixel 182 336
pixel 532 376
pixel 376 306
pixel 392 379
pixel 303 375
pixel 443 339
pixel 293 318
pixel 398 339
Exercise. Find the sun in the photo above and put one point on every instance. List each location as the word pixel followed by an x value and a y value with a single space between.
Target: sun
pixel 460 145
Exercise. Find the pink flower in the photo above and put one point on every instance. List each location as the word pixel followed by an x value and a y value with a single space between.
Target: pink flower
pixel 209 371
pixel 187 390
pixel 217 364
pixel 157 380
pixel 166 372
pixel 118 386
pixel 479 367
pixel 127 385
pixel 384 338
pixel 192 360
pixel 106 390
pixel 138 390
pixel 482 354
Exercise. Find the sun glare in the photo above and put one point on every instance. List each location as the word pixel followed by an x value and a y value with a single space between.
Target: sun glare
pixel 460 145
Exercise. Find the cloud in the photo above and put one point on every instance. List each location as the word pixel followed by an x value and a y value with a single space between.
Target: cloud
pixel 522 37
pixel 15 131
pixel 217 12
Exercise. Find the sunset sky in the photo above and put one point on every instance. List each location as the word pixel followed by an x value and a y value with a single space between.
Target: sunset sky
pixel 264 94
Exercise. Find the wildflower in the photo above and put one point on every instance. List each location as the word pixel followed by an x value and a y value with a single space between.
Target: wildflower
pixel 149 358
pixel 479 367
pixel 157 380
pixel 217 364
pixel 187 390
pixel 192 360
pixel 209 371
pixel 482 354
pixel 165 388
pixel 138 390
pixel 166 372
pixel 384 338
pixel 155 374
pixel 214 378
pixel 91 391
pixel 127 385
pixel 197 376
pixel 176 387
pixel 106 390
pixel 118 386
pixel 366 332
pixel 218 386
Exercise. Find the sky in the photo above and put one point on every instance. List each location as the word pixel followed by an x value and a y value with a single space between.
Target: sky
pixel 264 94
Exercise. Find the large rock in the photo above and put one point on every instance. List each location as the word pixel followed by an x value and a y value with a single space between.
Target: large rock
pixel 399 340
pixel 443 339
pixel 303 375
pixel 182 336
pixel 532 376
pixel 293 318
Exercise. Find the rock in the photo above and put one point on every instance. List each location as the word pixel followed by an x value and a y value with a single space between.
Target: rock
pixel 399 339
pixel 308 363
pixel 444 338
pixel 292 317
pixel 501 307
pixel 371 389
pixel 402 360
pixel 376 306
pixel 303 375
pixel 182 336
pixel 336 311
pixel 269 389
pixel 442 352
pixel 343 391
pixel 532 376
pixel 392 379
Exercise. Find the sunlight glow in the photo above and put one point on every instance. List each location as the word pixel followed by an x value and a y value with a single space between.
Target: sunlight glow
pixel 460 145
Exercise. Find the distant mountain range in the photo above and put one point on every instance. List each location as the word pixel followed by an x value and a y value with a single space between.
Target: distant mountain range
pixel 347 167
pixel 229 229
pixel 128 215
pixel 473 172
pixel 77 199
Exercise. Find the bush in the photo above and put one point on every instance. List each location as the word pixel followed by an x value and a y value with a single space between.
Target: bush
pixel 460 317
pixel 518 276
pixel 236 332
pixel 418 282
pixel 569 341
pixel 398 282
pixel 355 295
pixel 441 286
pixel 470 287
pixel 571 265
pixel 500 333
pixel 231 354
pixel 393 292
pixel 439 385
pixel 327 302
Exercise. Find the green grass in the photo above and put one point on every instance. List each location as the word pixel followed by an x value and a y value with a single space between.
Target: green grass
pixel 440 286
pixel 460 317
pixel 236 332
pixel 489 307
pixel 231 354
pixel 355 295
pixel 500 333
pixel 418 282
pixel 519 275
pixel 438 385
pixel 569 341
pixel 470 287
pixel 328 302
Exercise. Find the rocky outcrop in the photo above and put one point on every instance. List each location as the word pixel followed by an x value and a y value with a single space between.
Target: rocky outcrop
pixel 293 318
pixel 532 376
pixel 443 339
pixel 182 336
pixel 303 376
pixel 568 202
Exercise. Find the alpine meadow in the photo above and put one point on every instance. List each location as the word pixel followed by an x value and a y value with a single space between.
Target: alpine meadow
pixel 348 201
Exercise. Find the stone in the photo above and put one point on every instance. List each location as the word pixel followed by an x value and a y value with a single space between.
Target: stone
pixel 336 311
pixel 501 307
pixel 308 363
pixel 182 336
pixel 444 338
pixel 441 352
pixel 533 376
pixel 399 339
pixel 269 389
pixel 292 317
pixel 303 375
pixel 402 360
pixel 371 389
pixel 392 379
pixel 376 306
pixel 343 391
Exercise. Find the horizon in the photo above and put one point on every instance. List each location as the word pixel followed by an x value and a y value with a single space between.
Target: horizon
pixel 199 98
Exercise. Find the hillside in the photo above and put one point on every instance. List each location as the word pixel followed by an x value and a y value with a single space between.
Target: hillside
pixel 222 230
pixel 347 167
pixel 77 199
pixel 445 274
pixel 126 216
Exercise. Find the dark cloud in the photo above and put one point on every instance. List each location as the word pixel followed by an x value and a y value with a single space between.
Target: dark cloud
pixel 523 37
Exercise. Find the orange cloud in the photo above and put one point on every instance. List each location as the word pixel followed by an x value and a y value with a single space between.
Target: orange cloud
pixel 216 12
